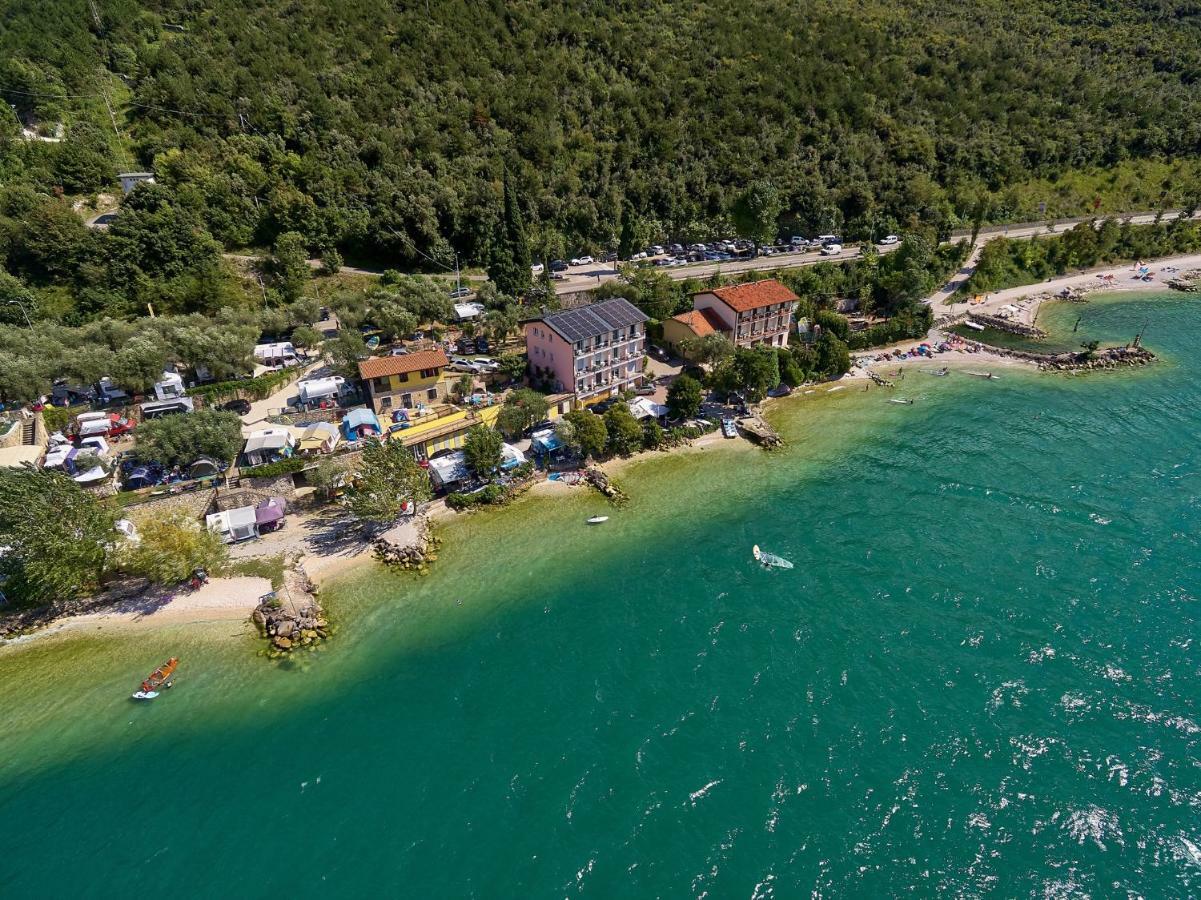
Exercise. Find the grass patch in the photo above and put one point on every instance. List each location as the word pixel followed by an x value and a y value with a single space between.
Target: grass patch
pixel 269 567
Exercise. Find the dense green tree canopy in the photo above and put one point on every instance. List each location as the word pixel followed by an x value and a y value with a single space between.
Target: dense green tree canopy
pixel 56 535
pixel 387 129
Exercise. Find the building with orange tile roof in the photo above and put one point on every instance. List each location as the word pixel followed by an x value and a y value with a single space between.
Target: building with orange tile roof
pixel 406 381
pixel 751 314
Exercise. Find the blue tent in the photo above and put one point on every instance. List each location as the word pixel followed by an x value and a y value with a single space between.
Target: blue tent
pixel 545 442
pixel 359 423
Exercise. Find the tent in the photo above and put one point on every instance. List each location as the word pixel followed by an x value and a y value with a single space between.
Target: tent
pixel 359 423
pixel 269 514
pixel 268 445
pixel 511 457
pixel 203 467
pixel 140 477
pixel 545 442
pixel 320 437
pixel 645 408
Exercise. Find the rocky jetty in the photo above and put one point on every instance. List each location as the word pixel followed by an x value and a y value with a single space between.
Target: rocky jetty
pixel 759 431
pixel 409 545
pixel 599 480
pixel 1111 358
pixel 291 618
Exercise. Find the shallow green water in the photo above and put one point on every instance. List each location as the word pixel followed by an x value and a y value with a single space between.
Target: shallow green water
pixel 980 677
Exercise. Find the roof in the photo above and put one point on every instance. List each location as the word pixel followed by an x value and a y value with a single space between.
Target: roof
pixel 321 387
pixel 595 319
pixel 468 310
pixel 381 366
pixel 754 294
pixel 320 431
pixel 450 468
pixel 238 517
pixel 646 408
pixel 268 439
pixel 700 321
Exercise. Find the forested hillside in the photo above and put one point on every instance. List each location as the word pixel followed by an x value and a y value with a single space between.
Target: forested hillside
pixel 385 129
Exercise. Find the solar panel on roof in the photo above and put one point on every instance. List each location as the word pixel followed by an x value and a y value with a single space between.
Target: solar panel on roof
pixel 599 318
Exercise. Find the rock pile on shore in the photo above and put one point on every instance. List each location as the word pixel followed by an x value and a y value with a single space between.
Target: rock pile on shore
pixel 293 618
pixel 599 480
pixel 410 545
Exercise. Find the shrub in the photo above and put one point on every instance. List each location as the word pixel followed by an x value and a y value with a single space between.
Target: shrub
pixel 272 470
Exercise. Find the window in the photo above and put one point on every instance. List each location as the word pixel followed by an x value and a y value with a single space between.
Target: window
pixel 431 394
pixel 379 384
pixel 407 401
pixel 385 402
pixel 402 377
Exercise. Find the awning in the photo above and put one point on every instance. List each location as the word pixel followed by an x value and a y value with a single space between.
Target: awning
pixel 545 441
pixel 271 510
pixel 511 457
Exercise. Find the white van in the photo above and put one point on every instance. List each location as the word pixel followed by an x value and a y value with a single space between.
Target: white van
pixel 831 249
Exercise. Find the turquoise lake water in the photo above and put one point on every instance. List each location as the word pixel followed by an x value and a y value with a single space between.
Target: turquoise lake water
pixel 980 678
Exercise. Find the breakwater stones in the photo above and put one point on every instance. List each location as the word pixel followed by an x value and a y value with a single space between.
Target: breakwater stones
pixel 1111 358
pixel 599 480
pixel 1189 282
pixel 291 619
pixel 409 545
pixel 760 432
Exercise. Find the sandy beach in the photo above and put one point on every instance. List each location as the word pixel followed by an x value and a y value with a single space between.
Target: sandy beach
pixel 1030 297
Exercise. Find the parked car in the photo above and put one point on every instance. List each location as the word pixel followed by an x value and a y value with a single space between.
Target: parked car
pixel 557 265
pixel 656 250
pixel 610 257
pixel 586 261
pixel 798 240
pixel 239 406
pixel 481 344
pixel 676 249
pixel 459 293
pixel 828 239
pixel 889 239
pixel 831 249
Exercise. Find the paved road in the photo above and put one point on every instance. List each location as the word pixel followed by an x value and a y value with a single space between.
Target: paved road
pixel 582 278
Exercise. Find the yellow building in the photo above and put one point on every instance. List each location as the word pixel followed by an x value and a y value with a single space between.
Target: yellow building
pixel 445 432
pixel 408 381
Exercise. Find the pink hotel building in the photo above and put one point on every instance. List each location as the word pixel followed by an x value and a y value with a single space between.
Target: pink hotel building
pixel 595 351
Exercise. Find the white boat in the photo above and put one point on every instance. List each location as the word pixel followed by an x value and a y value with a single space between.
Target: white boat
pixel 970 324
pixel 596 520
pixel 901 401
pixel 769 560
pixel 728 428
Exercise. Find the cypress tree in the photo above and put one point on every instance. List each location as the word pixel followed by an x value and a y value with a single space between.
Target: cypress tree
pixel 510 268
